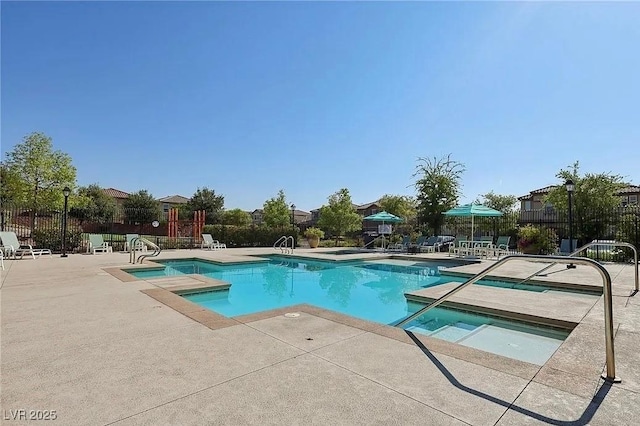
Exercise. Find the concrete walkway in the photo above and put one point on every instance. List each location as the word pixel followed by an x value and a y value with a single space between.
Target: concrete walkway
pixel 97 350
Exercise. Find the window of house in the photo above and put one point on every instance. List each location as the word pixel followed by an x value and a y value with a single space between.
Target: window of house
pixel 548 208
pixel 624 201
pixel 527 206
pixel 633 199
pixel 165 207
pixel 374 211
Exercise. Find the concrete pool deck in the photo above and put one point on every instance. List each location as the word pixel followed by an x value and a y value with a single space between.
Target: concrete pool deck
pixel 97 350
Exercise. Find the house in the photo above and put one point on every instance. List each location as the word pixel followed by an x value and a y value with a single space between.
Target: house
pixel 172 201
pixel 532 205
pixel 117 195
pixel 257 216
pixel 368 209
pixel 300 216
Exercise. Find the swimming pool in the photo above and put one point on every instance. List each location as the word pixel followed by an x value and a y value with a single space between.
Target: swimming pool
pixel 361 289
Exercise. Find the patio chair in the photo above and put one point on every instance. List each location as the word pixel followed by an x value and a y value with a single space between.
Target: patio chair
pixel 502 246
pixel 140 246
pixel 12 247
pixel 459 246
pixel 565 250
pixel 2 259
pixel 210 243
pixel 97 243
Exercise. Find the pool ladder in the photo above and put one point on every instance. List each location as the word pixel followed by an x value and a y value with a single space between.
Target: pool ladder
pixel 610 374
pixel 283 244
pixel 137 244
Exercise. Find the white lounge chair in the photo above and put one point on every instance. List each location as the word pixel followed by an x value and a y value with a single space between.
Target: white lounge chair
pixel 12 247
pixel 97 243
pixel 210 243
pixel 140 246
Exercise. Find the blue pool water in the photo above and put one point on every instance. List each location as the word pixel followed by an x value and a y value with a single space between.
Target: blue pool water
pixel 372 291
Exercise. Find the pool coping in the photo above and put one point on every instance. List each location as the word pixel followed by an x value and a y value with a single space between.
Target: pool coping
pixel 215 321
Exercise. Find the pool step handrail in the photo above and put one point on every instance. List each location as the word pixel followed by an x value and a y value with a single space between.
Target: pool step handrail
pixel 135 245
pixel 155 247
pixel 593 244
pixel 381 236
pixel 610 374
pixel 282 243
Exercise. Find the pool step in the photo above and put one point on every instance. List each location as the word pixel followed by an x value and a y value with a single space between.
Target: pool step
pixel 554 308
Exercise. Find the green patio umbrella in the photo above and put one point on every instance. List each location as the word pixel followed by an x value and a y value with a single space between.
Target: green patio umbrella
pixel 472 210
pixel 384 217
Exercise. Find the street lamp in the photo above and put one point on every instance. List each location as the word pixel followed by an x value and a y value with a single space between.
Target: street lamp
pixel 570 188
pixel 66 192
pixel 293 216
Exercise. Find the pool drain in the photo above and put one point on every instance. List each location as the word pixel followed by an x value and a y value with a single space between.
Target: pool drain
pixel 292 315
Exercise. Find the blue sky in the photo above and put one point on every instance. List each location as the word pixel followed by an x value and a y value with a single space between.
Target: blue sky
pixel 249 98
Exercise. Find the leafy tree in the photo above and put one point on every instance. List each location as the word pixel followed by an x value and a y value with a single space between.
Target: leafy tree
pixel 38 174
pixel 402 206
pixel 593 197
pixel 93 205
pixel 339 217
pixel 236 217
pixel 8 186
pixel 276 212
pixel 207 200
pixel 503 203
pixel 438 189
pixel 141 207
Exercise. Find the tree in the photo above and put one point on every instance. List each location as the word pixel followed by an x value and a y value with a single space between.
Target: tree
pixel 400 205
pixel 9 183
pixel 438 189
pixel 38 174
pixel 504 203
pixel 594 197
pixel 207 200
pixel 236 217
pixel 339 217
pixel 276 212
pixel 141 207
pixel 93 205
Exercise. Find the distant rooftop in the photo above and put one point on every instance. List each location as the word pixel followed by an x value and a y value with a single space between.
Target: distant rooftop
pixel 174 199
pixel 115 193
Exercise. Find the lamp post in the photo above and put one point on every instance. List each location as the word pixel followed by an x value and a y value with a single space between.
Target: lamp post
pixel 66 192
pixel 293 216
pixel 570 188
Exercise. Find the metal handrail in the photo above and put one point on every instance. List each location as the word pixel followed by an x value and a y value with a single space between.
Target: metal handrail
pixel 608 304
pixel 155 247
pixel 374 240
pixel 133 247
pixel 282 243
pixel 592 244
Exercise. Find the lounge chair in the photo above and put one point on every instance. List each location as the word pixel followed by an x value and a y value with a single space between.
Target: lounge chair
pixel 2 259
pixel 210 243
pixel 406 241
pixel 140 246
pixel 97 243
pixel 565 250
pixel 12 247
pixel 429 245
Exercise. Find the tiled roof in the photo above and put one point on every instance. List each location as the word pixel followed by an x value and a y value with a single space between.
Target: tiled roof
pixel 631 189
pixel 366 205
pixel 115 193
pixel 300 212
pixel 175 199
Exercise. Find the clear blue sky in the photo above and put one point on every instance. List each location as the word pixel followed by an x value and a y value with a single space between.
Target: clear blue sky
pixel 249 98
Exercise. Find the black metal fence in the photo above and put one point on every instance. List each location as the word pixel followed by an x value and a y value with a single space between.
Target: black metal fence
pixel 44 228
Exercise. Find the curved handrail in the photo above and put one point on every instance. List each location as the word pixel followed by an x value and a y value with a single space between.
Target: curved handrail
pixel 593 244
pixel 282 243
pixel 608 303
pixel 156 249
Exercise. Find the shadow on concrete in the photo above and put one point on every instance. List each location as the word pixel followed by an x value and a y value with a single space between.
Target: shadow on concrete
pixel 584 419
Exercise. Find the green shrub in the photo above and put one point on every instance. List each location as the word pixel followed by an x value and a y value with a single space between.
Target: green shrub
pixel 52 239
pixel 248 236
pixel 314 233
pixel 537 240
